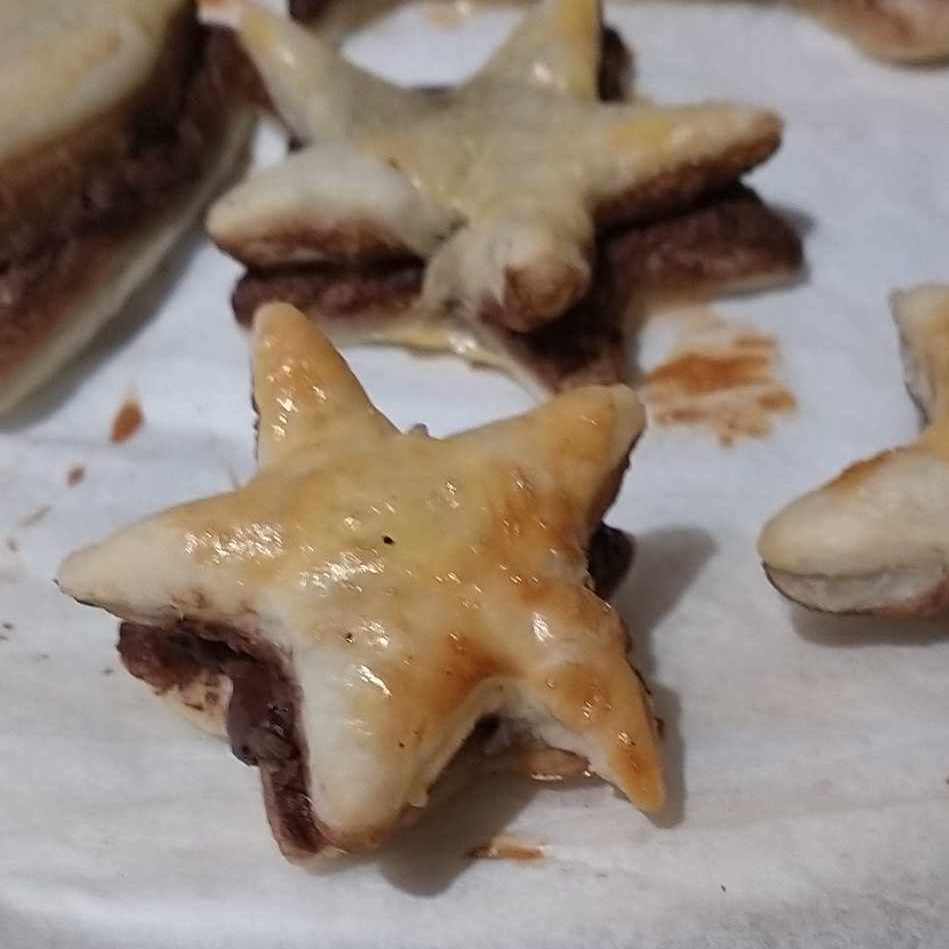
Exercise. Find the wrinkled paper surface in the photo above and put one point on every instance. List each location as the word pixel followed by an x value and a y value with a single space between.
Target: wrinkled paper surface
pixel 808 757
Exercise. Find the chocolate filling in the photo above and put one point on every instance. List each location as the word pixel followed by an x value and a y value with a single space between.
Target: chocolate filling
pixel 721 240
pixel 261 715
pixel 333 290
pixel 54 210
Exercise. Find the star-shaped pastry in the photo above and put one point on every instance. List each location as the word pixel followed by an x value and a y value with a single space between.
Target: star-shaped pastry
pixel 876 538
pixel 498 184
pixel 371 595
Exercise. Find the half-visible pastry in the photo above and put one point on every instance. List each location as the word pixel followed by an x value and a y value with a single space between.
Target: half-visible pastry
pixel 497 184
pixel 910 31
pixel 115 132
pixel 876 538
pixel 353 612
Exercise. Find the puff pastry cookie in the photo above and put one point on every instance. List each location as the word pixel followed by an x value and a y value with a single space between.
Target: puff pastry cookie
pixel 359 607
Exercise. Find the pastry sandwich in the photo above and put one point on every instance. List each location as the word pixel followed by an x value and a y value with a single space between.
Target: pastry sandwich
pixel 374 602
pixel 500 219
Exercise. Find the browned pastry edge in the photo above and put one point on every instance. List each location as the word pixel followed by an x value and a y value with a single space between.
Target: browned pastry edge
pixel 586 346
pixel 154 160
pixel 676 189
pixel 537 295
pixel 932 603
pixel 262 712
pixel 359 243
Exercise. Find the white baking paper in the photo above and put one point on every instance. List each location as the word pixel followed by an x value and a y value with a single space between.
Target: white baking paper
pixel 808 757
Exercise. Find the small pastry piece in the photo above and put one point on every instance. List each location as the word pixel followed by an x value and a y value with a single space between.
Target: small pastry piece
pixel 497 184
pixel 908 31
pixel 370 596
pixel 729 242
pixel 876 538
pixel 115 132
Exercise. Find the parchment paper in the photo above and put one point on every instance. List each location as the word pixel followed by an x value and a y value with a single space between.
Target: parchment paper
pixel 808 757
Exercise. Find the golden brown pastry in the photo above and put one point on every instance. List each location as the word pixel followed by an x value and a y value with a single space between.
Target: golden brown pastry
pixel 115 132
pixel 876 538
pixel 497 183
pixel 354 612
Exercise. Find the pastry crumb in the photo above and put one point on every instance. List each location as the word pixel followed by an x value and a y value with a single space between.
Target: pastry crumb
pixel 506 848
pixel 12 545
pixel 75 475
pixel 128 420
pixel 33 518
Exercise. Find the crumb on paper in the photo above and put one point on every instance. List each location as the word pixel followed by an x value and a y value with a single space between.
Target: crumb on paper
pixel 506 848
pixel 12 545
pixel 75 475
pixel 108 672
pixel 543 764
pixel 724 890
pixel 721 376
pixel 128 420
pixel 41 656
pixel 448 14
pixel 32 518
